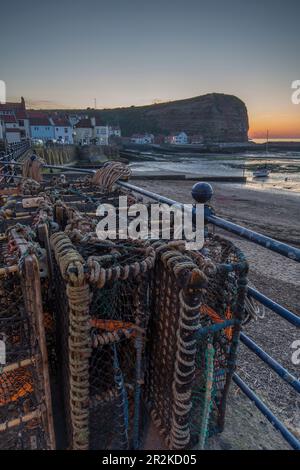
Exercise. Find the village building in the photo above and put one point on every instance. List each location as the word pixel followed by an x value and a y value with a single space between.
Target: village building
pixel 23 123
pixel 15 119
pixel 83 132
pixel 41 128
pixel 100 131
pixel 197 139
pixel 9 109
pixel 91 131
pixel 63 131
pixel 177 139
pixel 12 131
pixel 142 139
pixel 114 131
pixel 75 118
pixel 13 136
pixel 159 139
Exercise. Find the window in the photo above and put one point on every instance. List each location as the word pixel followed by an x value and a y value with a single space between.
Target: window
pixel 66 130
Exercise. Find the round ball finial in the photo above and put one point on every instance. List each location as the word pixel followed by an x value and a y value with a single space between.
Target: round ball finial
pixel 202 192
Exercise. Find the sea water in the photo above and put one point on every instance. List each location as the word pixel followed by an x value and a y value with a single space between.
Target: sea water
pixel 284 166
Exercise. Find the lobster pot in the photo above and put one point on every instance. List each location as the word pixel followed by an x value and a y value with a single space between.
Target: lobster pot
pixel 25 398
pixel 197 308
pixel 71 203
pixel 5 224
pixel 103 313
pixel 23 210
pixel 223 304
pixel 8 187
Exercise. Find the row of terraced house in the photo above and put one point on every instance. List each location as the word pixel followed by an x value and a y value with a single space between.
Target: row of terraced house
pixel 17 124
pixel 177 138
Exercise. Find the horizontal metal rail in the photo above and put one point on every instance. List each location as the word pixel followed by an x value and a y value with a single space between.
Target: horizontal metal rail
pixel 145 192
pixel 278 368
pixel 287 435
pixel 277 308
pixel 54 167
pixel 255 237
pixel 262 240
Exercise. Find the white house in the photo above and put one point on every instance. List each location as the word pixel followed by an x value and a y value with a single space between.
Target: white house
pixel 114 130
pixel 13 136
pixel 12 131
pixel 142 139
pixel 100 131
pixel 10 109
pixel 177 139
pixel 63 131
pixel 16 120
pixel 83 132
pixel 23 123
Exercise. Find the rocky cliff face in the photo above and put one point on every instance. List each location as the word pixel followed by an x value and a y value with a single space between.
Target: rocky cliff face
pixel 217 117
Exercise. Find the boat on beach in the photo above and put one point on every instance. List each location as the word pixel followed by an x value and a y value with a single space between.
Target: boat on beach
pixel 261 173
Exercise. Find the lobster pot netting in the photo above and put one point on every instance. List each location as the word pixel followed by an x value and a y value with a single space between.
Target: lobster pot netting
pixel 104 309
pixel 25 401
pixel 79 211
pixel 193 294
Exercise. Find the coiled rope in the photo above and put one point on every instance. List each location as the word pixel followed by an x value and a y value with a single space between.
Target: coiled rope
pixel 111 172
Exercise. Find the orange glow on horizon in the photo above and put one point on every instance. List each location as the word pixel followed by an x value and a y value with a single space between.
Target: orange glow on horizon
pixel 284 126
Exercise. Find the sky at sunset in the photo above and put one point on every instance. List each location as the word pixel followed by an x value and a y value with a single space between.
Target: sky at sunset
pixel 126 52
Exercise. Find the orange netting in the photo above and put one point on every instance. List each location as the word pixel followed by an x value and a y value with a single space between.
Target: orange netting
pixel 111 325
pixel 216 318
pixel 15 384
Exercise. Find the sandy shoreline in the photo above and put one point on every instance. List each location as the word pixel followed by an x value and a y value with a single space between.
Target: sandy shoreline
pixel 275 214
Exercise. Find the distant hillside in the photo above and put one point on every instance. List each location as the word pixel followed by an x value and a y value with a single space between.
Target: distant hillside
pixel 217 117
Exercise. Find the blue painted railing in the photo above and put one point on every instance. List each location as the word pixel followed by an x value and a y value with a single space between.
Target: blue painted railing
pixel 273 245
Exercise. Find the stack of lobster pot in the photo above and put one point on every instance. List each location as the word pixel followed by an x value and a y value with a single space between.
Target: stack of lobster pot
pixel 25 398
pixel 102 292
pixel 197 309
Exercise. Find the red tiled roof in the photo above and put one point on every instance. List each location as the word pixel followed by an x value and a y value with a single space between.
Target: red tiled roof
pixel 21 114
pixel 9 119
pixel 99 122
pixel 84 123
pixel 10 106
pixel 60 122
pixel 37 114
pixel 39 121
